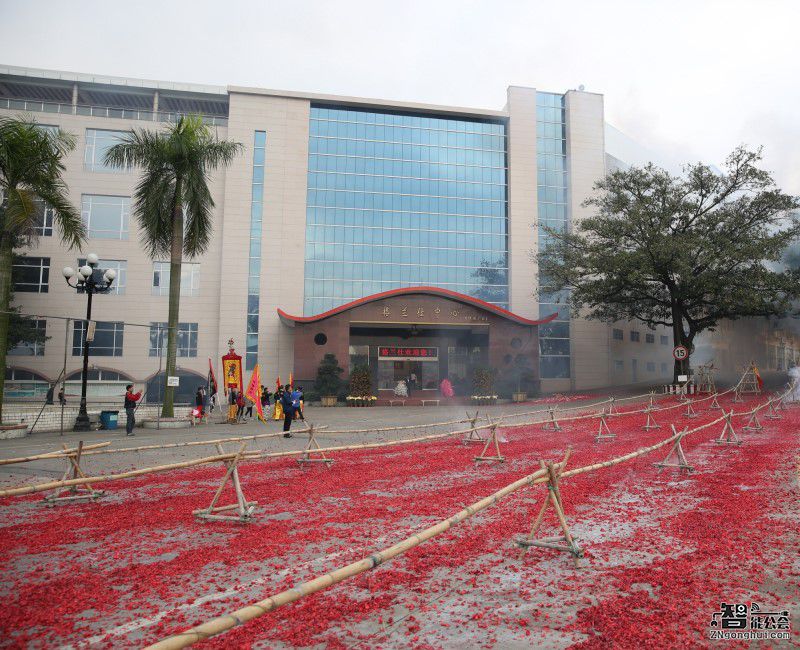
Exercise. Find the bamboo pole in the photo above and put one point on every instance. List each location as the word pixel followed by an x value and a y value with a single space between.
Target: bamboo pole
pixel 194 443
pixel 60 453
pixel 52 485
pixel 245 614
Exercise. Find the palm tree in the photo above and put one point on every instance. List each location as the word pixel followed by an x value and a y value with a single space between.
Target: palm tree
pixel 30 176
pixel 173 189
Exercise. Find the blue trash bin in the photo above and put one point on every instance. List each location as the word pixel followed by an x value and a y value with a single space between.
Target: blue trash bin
pixel 108 419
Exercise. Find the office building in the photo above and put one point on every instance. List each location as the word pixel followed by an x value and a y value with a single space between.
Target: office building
pixel 395 234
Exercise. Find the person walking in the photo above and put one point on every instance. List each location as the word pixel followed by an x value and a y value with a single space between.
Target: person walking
pixel 412 382
pixel 130 407
pixel 297 399
pixel 232 406
pixel 264 400
pixel 239 406
pixel 287 404
pixel 61 398
pixel 199 401
pixel 278 399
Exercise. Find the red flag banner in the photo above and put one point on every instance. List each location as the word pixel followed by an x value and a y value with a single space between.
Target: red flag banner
pixel 253 392
pixel 758 378
pixel 212 379
pixel 232 371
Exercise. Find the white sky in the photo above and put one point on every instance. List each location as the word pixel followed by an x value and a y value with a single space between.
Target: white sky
pixel 689 79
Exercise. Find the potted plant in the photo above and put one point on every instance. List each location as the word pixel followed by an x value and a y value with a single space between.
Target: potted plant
pixel 483 386
pixel 360 389
pixel 328 380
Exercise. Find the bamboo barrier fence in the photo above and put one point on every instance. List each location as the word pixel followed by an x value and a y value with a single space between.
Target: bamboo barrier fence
pixel 226 622
pixel 171 445
pixel 256 455
pixel 89 480
pixel 57 455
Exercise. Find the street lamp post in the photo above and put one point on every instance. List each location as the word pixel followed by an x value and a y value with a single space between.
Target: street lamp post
pixel 92 280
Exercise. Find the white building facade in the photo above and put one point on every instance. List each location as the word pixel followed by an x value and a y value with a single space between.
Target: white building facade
pixel 333 199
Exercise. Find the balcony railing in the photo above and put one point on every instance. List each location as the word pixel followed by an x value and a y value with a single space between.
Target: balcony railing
pixel 28 105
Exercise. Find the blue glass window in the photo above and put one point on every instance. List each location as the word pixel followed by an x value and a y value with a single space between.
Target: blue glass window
pixel 399 200
pixel 551 147
pixel 254 267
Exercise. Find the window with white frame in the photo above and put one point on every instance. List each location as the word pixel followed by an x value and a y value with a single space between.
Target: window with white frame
pixel 651 366
pixel 619 365
pixel 106 217
pixel 31 274
pixel 43 226
pixel 190 279
pixel 635 336
pixel 617 334
pixel 107 342
pixel 649 338
pixel 98 142
pixel 187 339
pixel 34 349
pixel 120 266
pixel 664 340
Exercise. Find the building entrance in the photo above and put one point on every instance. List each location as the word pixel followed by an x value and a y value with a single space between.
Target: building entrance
pixel 420 357
pixel 427 333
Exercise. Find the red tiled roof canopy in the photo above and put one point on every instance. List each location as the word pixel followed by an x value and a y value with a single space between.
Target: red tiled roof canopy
pixel 290 320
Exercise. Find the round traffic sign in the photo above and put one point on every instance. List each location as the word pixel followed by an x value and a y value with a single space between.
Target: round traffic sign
pixel 680 353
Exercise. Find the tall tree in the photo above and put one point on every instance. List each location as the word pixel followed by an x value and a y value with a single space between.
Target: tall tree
pixel 173 204
pixel 684 252
pixel 30 175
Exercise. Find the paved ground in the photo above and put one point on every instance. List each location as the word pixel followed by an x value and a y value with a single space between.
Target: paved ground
pixel 335 419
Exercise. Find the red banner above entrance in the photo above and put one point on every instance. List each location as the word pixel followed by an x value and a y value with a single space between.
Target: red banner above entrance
pixel 398 352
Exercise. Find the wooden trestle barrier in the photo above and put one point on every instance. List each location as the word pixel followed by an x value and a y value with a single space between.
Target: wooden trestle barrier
pixel 728 435
pixel 753 423
pixel 74 492
pixel 772 413
pixel 603 432
pixel 677 450
pixel 650 423
pixel 491 439
pixel 314 448
pixel 715 402
pixel 565 541
pixel 552 423
pixel 242 510
pixel 473 435
pixel 690 412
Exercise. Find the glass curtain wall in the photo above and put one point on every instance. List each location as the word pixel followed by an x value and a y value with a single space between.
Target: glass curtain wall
pixel 398 200
pixel 254 272
pixel 551 143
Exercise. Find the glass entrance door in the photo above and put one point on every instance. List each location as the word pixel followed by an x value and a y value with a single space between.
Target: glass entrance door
pixel 418 375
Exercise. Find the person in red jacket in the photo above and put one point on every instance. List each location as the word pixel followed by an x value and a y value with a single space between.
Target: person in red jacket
pixel 130 407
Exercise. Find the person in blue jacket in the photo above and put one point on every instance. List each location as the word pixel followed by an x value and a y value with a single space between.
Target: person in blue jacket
pixel 297 398
pixel 287 402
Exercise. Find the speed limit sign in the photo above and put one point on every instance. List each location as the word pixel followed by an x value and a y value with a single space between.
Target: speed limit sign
pixel 680 353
